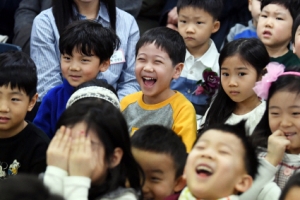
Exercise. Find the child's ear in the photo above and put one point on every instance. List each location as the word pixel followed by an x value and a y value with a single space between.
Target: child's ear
pixel 244 183
pixel 180 184
pixel 216 26
pixel 104 65
pixel 294 49
pixel 250 5
pixel 32 102
pixel 116 157
pixel 178 69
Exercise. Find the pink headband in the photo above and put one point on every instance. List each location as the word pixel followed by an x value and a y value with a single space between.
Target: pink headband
pixel 274 70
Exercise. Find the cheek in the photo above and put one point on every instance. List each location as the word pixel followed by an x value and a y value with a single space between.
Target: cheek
pixel 273 124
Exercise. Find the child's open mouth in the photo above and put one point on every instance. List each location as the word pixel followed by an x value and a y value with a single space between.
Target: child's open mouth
pixel 204 171
pixel 148 81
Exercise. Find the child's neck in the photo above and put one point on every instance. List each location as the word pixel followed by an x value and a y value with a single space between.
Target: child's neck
pixel 158 98
pixel 89 10
pixel 197 51
pixel 275 52
pixel 247 105
pixel 12 132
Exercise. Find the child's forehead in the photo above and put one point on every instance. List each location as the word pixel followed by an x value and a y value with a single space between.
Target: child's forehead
pixel 276 8
pixel 15 89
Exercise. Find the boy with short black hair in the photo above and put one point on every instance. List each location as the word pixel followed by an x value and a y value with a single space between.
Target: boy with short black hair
pixel 221 165
pixel 274 29
pixel 296 36
pixel 162 156
pixel 86 48
pixel 22 145
pixel 159 59
pixel 197 20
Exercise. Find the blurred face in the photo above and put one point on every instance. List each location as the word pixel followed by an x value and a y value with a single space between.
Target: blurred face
pixel 99 173
pixel 196 26
pixel 275 26
pixel 78 68
pixel 284 115
pixel 293 193
pixel 237 79
pixel 154 71
pixel 297 43
pixel 216 163
pixel 159 173
pixel 14 104
pixel 254 8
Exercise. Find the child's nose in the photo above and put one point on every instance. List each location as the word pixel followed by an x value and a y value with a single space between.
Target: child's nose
pixel 190 29
pixel 148 68
pixel 3 107
pixel 74 67
pixel 232 82
pixel 285 122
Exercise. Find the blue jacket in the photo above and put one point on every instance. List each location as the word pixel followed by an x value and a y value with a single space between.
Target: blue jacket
pixel 52 106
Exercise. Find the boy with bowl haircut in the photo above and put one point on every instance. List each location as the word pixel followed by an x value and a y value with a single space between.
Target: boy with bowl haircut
pixel 274 29
pixel 160 54
pixel 296 36
pixel 162 156
pixel 22 145
pixel 197 20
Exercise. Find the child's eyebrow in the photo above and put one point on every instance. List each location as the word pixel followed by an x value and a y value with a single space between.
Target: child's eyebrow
pixel 157 171
pixel 241 68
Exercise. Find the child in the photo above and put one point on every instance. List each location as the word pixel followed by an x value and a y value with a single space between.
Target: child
pixel 244 31
pixel 291 189
pixel 222 164
pixel 278 130
pixel 22 145
pixel 241 64
pixel 90 156
pixel 197 20
pixel 25 187
pixel 296 36
pixel 160 54
pixel 86 48
pixel 274 29
pixel 162 155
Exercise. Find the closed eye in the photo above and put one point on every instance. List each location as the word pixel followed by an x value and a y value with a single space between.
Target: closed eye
pixel 15 99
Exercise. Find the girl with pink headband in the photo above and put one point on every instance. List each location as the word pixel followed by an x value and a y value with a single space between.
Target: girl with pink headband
pixel 278 133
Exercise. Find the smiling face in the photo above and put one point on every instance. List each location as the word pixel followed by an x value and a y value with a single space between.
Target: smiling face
pixel 196 26
pixel 284 115
pixel 154 71
pixel 237 79
pixel 216 163
pixel 79 68
pixel 274 27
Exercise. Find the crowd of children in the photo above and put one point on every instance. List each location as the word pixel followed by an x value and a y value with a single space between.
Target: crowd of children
pixel 161 116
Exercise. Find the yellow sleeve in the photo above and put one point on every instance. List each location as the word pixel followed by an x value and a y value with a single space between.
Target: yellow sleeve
pixel 185 123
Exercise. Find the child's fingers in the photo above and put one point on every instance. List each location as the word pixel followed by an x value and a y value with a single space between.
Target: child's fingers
pixel 65 140
pixel 278 133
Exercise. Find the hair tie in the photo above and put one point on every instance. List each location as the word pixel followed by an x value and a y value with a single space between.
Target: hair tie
pixel 274 70
pixel 94 91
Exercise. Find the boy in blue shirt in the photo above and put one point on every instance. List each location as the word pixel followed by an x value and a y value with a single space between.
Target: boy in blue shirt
pixel 197 20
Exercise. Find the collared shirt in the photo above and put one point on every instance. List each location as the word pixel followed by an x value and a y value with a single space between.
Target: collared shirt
pixel 45 52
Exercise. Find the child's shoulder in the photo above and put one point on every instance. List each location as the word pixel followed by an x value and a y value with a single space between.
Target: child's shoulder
pixel 131 98
pixel 36 134
pixel 180 101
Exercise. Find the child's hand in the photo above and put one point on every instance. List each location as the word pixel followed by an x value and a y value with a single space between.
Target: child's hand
pixel 277 144
pixel 81 158
pixel 59 148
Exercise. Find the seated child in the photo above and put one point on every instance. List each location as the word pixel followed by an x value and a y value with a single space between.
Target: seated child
pixel 86 47
pixel 274 29
pixel 197 20
pixel 292 188
pixel 249 30
pixel 296 36
pixel 221 165
pixel 162 156
pixel 22 145
pixel 25 187
pixel 159 59
pixel 90 155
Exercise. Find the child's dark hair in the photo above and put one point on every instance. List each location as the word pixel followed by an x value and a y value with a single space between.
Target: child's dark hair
pixel 251 51
pixel 111 128
pixel 18 70
pixel 296 25
pixel 99 83
pixel 288 83
pixel 291 5
pixel 89 38
pixel 25 187
pixel 213 7
pixel 294 181
pixel 166 39
pixel 63 11
pixel 250 157
pixel 161 140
